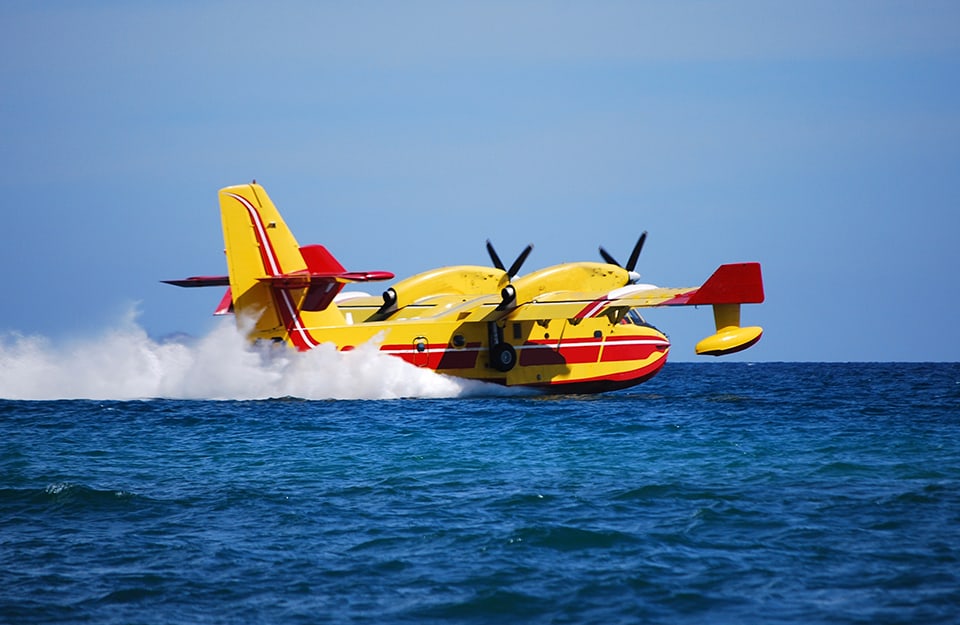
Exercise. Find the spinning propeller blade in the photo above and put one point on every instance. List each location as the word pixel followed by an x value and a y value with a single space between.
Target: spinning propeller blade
pixel 634 255
pixel 607 257
pixel 493 256
pixel 515 267
pixel 632 261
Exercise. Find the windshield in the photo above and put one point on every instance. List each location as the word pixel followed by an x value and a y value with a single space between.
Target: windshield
pixel 633 317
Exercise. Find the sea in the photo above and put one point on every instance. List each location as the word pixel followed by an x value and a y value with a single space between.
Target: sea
pixel 156 482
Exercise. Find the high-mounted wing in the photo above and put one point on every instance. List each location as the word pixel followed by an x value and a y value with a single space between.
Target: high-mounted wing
pixel 740 283
pixel 728 287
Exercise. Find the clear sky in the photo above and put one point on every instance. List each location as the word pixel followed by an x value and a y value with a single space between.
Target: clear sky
pixel 820 138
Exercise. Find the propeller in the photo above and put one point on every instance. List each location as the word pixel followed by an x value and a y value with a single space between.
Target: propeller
pixel 509 294
pixel 515 267
pixel 634 255
pixel 631 262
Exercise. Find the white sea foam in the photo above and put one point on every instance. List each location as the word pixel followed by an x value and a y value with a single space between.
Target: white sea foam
pixel 125 363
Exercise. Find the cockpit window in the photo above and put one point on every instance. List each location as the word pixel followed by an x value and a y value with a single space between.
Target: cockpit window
pixel 633 317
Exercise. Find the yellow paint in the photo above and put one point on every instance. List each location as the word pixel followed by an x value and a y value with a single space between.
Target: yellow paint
pixel 729 340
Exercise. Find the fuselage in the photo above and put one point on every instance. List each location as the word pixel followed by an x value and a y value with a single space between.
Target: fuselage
pixel 591 356
pixel 460 321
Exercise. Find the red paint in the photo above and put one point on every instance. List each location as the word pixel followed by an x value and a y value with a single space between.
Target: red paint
pixel 540 354
pixel 737 283
pixel 437 356
pixel 605 383
pixel 225 307
pixel 465 358
pixel 593 308
pixel 319 260
pixel 567 352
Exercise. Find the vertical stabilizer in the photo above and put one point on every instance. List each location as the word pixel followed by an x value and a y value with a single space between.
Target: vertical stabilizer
pixel 260 248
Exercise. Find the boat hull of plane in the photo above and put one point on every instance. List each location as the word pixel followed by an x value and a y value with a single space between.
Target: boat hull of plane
pixel 555 356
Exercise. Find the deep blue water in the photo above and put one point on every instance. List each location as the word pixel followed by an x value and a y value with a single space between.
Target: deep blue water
pixel 721 492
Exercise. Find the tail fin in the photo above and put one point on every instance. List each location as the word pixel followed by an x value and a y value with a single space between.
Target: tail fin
pixel 259 245
pixel 288 289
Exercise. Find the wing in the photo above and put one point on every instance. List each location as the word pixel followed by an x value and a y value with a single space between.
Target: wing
pixel 730 284
pixel 739 283
pixel 586 304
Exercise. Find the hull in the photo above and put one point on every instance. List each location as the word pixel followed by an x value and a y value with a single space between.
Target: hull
pixel 556 356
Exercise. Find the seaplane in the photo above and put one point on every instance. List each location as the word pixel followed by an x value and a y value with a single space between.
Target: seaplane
pixel 570 328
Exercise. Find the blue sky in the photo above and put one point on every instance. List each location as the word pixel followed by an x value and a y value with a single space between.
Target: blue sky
pixel 822 140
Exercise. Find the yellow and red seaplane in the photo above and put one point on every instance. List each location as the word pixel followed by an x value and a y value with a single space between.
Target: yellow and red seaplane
pixel 570 328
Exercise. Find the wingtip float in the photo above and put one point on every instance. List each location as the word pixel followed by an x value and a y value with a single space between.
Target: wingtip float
pixel 570 328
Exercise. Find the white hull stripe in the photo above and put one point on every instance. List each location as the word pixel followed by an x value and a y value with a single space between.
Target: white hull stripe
pixel 413 350
pixel 596 344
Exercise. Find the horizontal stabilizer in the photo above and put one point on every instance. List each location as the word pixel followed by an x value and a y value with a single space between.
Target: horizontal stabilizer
pixel 322 265
pixel 321 287
pixel 306 280
pixel 195 281
pixel 225 307
pixel 323 278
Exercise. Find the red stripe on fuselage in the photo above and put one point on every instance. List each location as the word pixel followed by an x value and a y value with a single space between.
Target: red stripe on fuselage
pixel 585 351
pixel 437 356
pixel 440 356
pixel 592 309
pixel 604 383
pixel 568 352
